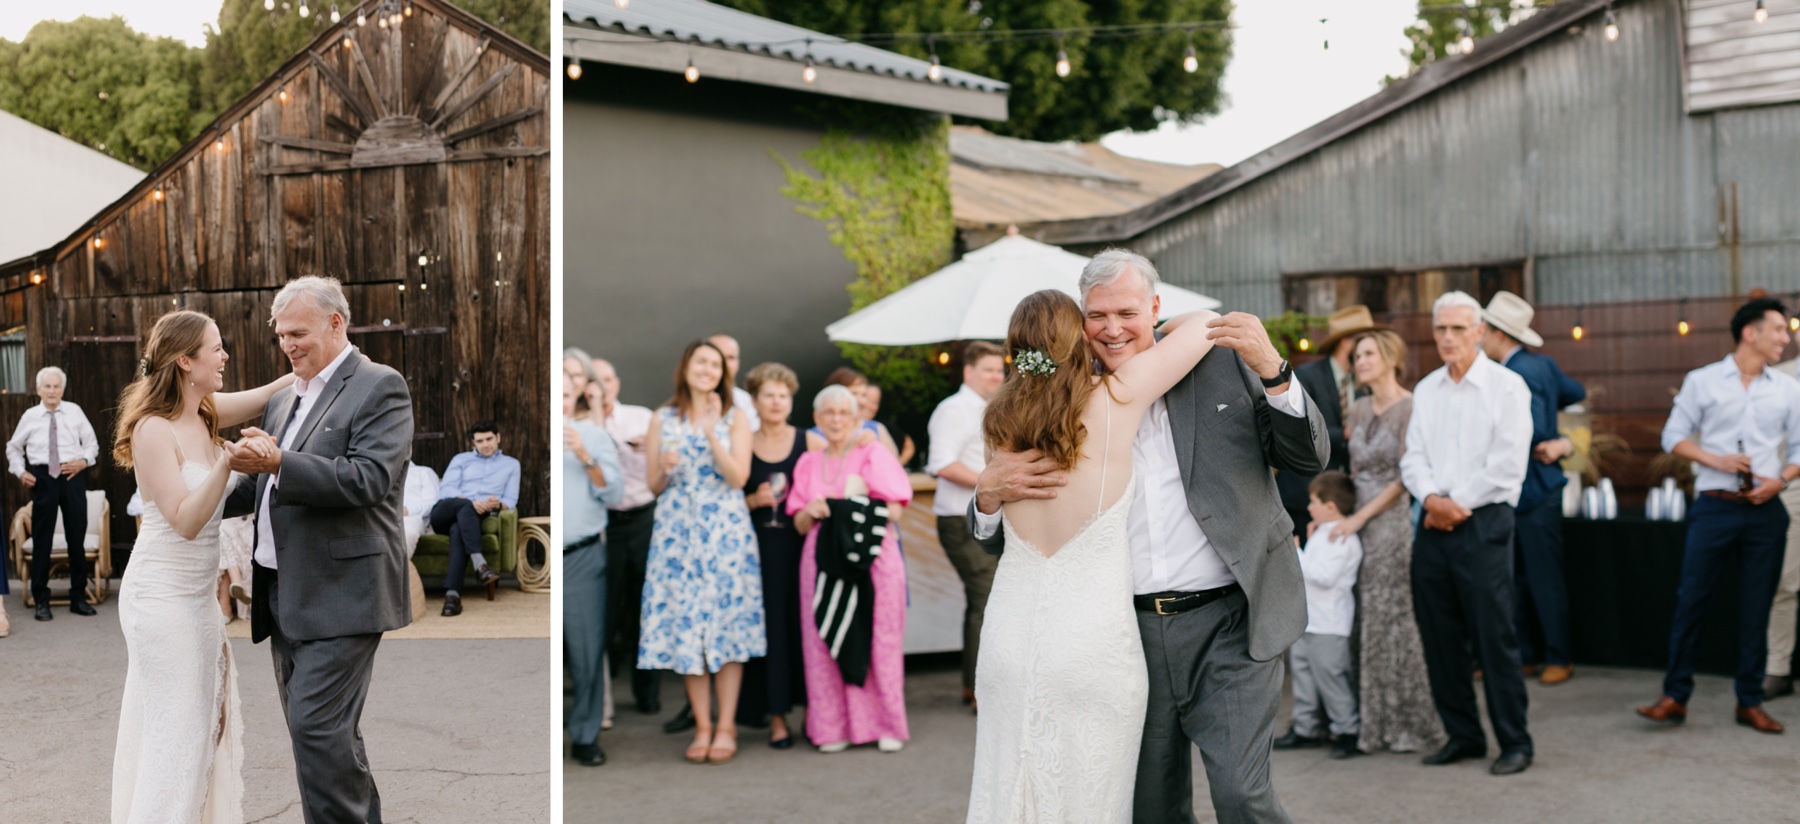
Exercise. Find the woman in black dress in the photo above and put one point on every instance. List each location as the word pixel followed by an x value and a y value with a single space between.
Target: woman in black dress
pixel 775 448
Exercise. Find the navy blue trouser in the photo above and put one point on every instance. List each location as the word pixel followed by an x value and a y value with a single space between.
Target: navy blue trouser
pixel 1718 531
pixel 1543 592
pixel 55 493
pixel 457 518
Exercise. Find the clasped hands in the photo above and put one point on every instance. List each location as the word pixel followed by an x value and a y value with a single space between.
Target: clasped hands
pixel 1444 514
pixel 255 452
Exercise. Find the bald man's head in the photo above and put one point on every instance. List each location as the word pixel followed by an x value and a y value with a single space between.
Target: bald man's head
pixel 728 346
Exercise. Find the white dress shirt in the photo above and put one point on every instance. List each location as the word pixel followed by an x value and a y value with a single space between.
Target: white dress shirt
pixel 1469 440
pixel 306 393
pixel 955 431
pixel 1169 552
pixel 421 493
pixel 747 404
pixel 627 424
pixel 30 443
pixel 1329 568
pixel 1714 402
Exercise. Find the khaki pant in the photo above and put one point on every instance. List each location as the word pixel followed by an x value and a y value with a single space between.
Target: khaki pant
pixel 976 569
pixel 1782 615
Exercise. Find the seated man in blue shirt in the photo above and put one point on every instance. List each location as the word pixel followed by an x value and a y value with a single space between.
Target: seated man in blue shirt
pixel 477 483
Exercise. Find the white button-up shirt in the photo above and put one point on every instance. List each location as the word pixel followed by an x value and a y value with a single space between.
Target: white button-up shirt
pixel 1469 440
pixel 747 405
pixel 1329 568
pixel 30 443
pixel 956 437
pixel 1169 551
pixel 306 393
pixel 628 424
pixel 1714 403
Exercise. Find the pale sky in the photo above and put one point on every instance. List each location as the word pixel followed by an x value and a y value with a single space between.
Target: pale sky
pixel 1281 79
pixel 182 19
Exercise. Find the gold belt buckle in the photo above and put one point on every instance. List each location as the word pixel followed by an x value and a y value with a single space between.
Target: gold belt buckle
pixel 1159 606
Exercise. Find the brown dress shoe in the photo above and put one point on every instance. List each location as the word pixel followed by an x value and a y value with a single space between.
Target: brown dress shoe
pixel 1530 670
pixel 1664 711
pixel 1756 719
pixel 1555 674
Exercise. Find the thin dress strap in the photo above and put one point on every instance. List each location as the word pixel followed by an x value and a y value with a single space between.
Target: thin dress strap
pixel 180 459
pixel 1100 505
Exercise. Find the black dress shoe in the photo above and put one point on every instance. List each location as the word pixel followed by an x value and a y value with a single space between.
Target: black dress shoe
pixel 682 721
pixel 43 611
pixel 1344 746
pixel 588 755
pixel 1510 763
pixel 80 608
pixel 649 705
pixel 1454 752
pixel 1294 741
pixel 452 605
pixel 782 743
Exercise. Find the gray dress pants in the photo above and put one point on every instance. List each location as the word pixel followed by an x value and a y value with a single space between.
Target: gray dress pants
pixel 584 613
pixel 324 684
pixel 1206 690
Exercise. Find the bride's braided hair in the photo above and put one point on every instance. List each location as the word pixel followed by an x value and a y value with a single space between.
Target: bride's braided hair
pixel 157 390
pixel 1043 411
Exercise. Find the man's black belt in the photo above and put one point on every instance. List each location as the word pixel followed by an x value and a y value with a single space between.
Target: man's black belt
pixel 583 543
pixel 1175 603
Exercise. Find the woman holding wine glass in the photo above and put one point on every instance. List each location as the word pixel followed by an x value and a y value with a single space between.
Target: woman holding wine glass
pixel 774 450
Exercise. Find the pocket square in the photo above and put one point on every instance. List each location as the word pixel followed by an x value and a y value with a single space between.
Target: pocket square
pixel 1221 407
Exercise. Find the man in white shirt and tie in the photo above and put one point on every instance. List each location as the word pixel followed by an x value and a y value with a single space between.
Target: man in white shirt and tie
pixel 49 453
pixel 1466 447
pixel 958 454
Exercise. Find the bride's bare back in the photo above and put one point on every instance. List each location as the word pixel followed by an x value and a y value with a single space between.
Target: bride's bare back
pixel 1112 420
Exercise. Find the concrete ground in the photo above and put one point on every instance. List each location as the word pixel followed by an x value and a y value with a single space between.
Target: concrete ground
pixel 457 731
pixel 1596 762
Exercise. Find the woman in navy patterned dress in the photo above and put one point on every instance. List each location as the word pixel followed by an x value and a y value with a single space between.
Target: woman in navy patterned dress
pixel 703 607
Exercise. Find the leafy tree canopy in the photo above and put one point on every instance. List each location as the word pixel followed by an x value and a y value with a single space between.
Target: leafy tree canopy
pixel 1441 26
pixel 1116 82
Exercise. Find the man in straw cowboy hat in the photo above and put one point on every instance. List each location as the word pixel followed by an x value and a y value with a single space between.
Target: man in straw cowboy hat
pixel 1329 383
pixel 1542 599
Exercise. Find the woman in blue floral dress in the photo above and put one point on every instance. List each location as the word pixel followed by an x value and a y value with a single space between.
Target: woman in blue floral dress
pixel 703 607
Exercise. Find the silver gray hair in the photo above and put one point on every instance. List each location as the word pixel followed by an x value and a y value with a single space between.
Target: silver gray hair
pixel 1453 299
pixel 51 370
pixel 833 394
pixel 325 293
pixel 587 362
pixel 1107 266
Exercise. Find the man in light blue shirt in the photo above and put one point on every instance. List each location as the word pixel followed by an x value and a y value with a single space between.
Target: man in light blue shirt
pixel 1742 411
pixel 592 481
pixel 478 482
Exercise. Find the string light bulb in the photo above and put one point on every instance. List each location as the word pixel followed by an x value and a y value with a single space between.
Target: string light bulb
pixel 99 243
pixel 936 71
pixel 692 74
pixel 1794 324
pixel 1305 345
pixel 381 20
pixel 1062 63
pixel 809 73
pixel 408 9
pixel 282 95
pixel 346 41
pixel 574 68
pixel 157 195
pixel 304 11
pixel 334 13
pixel 37 278
pixel 1610 26
pixel 943 358
pixel 268 5
pixel 1465 44
pixel 1681 325
pixel 1761 14
pixel 362 18
pixel 1191 62
pixel 219 144
pixel 624 4
pixel 1576 331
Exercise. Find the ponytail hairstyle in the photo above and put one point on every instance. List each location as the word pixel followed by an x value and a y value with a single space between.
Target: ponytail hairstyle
pixel 1040 405
pixel 157 390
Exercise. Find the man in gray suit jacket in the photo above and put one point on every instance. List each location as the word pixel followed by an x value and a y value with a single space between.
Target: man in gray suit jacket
pixel 329 570
pixel 1219 593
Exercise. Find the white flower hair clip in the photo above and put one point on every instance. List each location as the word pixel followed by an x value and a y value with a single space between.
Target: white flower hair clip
pixel 1034 362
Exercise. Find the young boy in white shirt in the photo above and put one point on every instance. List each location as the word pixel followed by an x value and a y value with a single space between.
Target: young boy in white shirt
pixel 1322 669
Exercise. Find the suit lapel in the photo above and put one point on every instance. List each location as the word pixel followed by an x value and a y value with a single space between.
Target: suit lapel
pixel 326 396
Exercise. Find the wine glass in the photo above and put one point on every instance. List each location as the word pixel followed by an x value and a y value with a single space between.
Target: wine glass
pixel 778 489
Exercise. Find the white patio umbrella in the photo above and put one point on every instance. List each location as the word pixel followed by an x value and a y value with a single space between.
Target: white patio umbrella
pixel 974 298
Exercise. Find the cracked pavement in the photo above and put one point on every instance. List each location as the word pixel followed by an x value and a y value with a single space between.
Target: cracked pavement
pixel 457 731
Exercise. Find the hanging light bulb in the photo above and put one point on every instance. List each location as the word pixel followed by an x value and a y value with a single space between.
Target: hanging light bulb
pixel 304 11
pixel 692 74
pixel 99 243
pixel 1305 345
pixel 362 17
pixel 37 278
pixel 1465 44
pixel 268 5
pixel 622 3
pixel 1794 324
pixel 346 41
pixel 334 13
pixel 809 74
pixel 157 195
pixel 381 20
pixel 219 144
pixel 575 69
pixel 1062 63
pixel 1681 325
pixel 409 8
pixel 943 358
pixel 936 71
pixel 1190 63
pixel 1762 14
pixel 282 95
pixel 1577 331
pixel 1611 28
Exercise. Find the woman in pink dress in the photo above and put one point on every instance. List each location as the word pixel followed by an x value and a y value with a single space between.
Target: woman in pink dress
pixel 839 714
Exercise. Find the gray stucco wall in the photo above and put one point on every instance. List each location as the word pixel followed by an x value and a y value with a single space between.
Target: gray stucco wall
pixel 675 228
pixel 1575 153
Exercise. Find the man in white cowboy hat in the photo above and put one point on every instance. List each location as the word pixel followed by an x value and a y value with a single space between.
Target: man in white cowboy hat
pixel 1329 382
pixel 1542 601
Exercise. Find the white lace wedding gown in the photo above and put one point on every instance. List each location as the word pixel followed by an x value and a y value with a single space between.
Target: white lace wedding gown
pixel 1061 681
pixel 180 755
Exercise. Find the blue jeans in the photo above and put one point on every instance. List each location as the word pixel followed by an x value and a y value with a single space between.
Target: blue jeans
pixel 1719 531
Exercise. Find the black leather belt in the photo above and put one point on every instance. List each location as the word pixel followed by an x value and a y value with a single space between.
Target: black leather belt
pixel 583 543
pixel 1175 603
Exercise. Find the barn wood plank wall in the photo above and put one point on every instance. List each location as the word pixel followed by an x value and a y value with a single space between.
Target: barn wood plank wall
pixel 446 263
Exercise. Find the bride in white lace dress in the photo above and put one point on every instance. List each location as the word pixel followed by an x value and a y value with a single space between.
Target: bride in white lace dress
pixel 179 757
pixel 1061 679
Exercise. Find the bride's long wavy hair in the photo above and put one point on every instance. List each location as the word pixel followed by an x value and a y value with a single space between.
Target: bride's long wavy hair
pixel 157 390
pixel 1043 412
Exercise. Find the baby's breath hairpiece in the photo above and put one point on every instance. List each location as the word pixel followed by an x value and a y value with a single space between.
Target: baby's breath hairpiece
pixel 1034 362
pixel 143 367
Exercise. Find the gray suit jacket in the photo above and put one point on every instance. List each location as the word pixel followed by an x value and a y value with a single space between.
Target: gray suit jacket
pixel 1226 440
pixel 337 514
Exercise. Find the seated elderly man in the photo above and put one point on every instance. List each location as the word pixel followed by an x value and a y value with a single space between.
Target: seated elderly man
pixel 478 482
pixel 50 453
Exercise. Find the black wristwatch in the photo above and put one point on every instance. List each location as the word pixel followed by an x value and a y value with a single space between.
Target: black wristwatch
pixel 1280 377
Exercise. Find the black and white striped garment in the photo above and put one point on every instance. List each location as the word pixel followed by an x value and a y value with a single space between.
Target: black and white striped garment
pixel 844 595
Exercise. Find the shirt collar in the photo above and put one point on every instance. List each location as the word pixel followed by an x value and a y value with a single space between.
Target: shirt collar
pixel 1510 353
pixel 476 454
pixel 304 388
pixel 1729 368
pixel 972 394
pixel 1477 374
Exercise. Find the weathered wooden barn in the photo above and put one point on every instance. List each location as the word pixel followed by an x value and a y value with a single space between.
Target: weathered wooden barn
pixel 411 162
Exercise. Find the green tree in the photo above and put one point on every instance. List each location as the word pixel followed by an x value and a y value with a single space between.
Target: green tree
pixel 1116 82
pixel 98 82
pixel 1441 26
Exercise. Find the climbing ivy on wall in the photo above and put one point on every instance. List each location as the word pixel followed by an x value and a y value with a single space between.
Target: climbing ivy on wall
pixel 880 183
